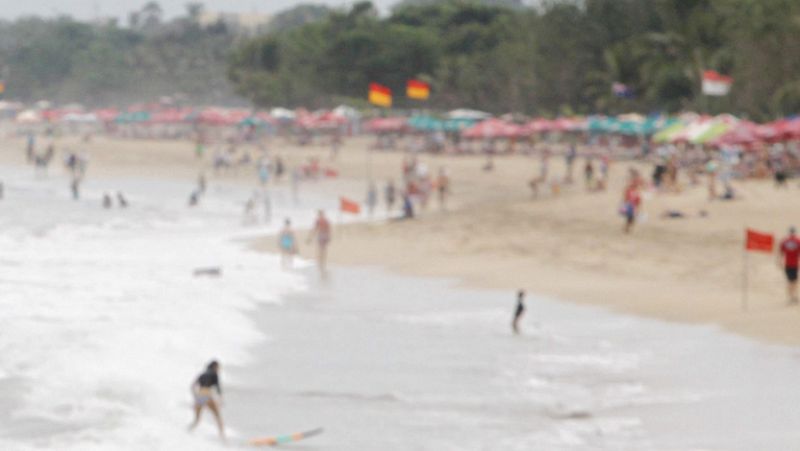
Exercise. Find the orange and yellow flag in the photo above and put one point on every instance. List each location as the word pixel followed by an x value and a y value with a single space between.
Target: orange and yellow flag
pixel 418 90
pixel 380 95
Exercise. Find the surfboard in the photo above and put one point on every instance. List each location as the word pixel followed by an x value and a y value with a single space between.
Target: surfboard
pixel 283 439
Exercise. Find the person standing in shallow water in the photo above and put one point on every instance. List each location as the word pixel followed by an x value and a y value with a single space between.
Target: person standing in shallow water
pixel 322 233
pixel 519 312
pixel 204 397
pixel 288 244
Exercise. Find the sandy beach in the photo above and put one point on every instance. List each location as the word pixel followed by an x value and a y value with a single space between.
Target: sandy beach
pixel 571 246
pixel 494 234
pixel 372 355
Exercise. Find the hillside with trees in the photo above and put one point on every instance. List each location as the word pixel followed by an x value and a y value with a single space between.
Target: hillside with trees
pixel 558 58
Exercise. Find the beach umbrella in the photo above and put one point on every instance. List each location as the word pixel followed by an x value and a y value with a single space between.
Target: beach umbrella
pixel 715 128
pixel 282 114
pixel 170 116
pixel 106 114
pixel 463 113
pixel 667 133
pixel 743 133
pixel 387 125
pixel 80 118
pixel 493 128
pixel 28 117
pixel 131 117
pixel 539 125
pixel 457 124
pixel 426 123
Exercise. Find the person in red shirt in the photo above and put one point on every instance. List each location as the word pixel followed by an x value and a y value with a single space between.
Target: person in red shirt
pixel 631 199
pixel 790 253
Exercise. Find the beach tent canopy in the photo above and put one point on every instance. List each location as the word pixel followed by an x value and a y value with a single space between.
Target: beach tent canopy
pixel 282 114
pixel 28 117
pixel 387 125
pixel 494 128
pixel 463 113
pixel 106 114
pixel 780 130
pixel 320 120
pixel 426 123
pixel 628 124
pixel 170 116
pixel 346 112
pixel 80 118
pixel 133 117
pixel 743 134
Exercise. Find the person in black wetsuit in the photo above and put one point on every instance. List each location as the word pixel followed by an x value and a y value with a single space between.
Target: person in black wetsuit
pixel 203 396
pixel 519 311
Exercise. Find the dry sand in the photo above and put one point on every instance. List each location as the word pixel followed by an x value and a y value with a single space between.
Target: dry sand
pixel 569 246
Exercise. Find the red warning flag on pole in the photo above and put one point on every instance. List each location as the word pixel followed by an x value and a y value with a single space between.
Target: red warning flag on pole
pixel 759 241
pixel 349 206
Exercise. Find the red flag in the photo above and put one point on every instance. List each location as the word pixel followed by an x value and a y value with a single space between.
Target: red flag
pixel 349 206
pixel 759 241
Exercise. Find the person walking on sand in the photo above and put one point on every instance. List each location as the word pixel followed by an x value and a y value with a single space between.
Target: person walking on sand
pixel 204 397
pixel 390 196
pixel 631 200
pixel 288 244
pixel 519 312
pixel 790 251
pixel 443 187
pixel 322 233
pixel 372 198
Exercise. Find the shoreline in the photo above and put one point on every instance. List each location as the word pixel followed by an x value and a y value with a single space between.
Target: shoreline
pixel 495 235
pixel 574 368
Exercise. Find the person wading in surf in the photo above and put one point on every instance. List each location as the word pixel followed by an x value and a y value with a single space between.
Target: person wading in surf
pixel 203 396
pixel 519 311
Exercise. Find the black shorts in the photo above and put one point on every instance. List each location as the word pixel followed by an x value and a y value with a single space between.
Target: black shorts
pixel 791 274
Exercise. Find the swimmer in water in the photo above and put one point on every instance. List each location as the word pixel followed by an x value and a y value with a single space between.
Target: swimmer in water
pixel 203 396
pixel 519 311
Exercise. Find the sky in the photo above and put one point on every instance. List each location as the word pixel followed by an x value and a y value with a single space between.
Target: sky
pixel 90 9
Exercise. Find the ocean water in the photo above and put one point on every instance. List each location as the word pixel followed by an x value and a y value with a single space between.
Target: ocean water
pixel 396 363
pixel 104 327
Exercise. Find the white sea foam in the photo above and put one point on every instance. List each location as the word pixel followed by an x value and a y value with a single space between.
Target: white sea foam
pixel 104 324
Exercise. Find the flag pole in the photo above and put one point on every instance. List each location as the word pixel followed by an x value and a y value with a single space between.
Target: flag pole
pixel 745 282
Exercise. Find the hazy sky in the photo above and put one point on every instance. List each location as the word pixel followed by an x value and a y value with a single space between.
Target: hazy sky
pixel 88 9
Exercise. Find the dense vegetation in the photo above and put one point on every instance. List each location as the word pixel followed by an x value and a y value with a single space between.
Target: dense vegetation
pixel 560 57
pixel 497 55
pixel 100 63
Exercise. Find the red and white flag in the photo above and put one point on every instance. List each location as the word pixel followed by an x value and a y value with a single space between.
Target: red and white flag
pixel 715 84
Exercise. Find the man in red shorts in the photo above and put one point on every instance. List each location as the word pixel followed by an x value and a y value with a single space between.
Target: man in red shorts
pixel 790 251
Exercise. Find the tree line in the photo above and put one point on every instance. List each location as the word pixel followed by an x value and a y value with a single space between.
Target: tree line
pixel 560 57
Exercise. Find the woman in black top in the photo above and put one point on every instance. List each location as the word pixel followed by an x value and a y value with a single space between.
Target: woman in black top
pixel 203 396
